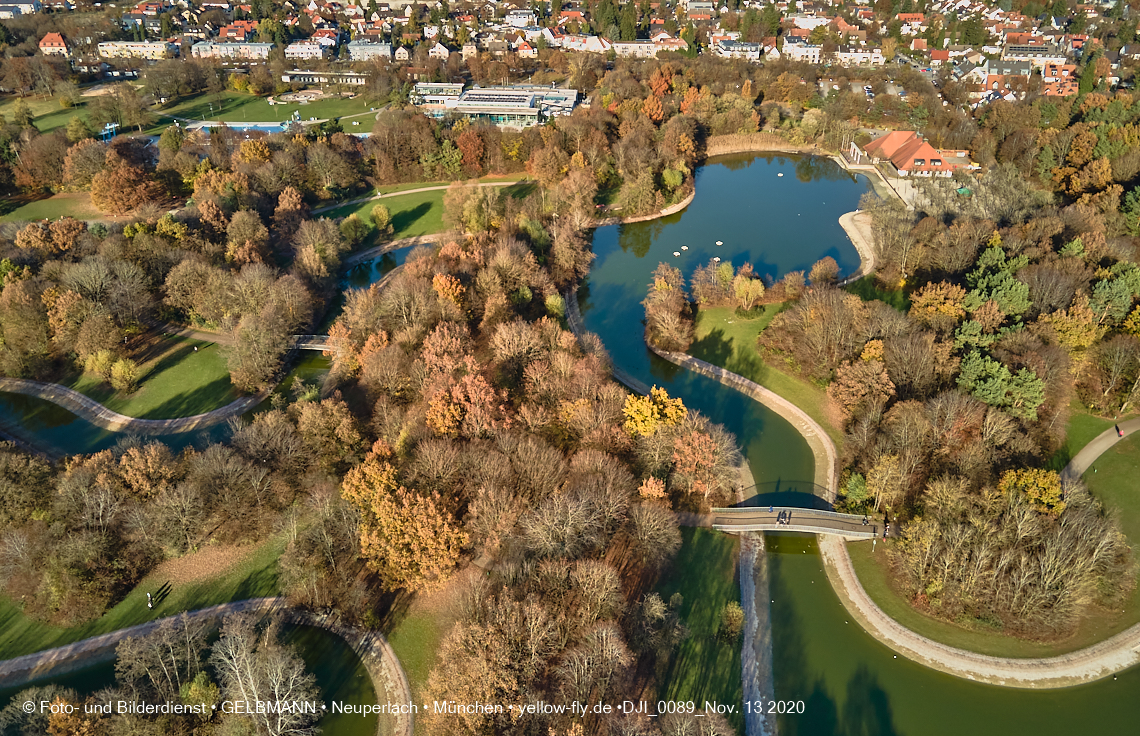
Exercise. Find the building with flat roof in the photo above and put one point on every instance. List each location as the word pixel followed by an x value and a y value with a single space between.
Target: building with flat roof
pixel 306 50
pixel 361 50
pixel 300 76
pixel 636 49
pixel 248 51
pixel 436 93
pixel 137 50
pixel 518 106
pixel 730 49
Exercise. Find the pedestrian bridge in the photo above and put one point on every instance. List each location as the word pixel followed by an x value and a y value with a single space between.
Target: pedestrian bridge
pixel 312 342
pixel 786 519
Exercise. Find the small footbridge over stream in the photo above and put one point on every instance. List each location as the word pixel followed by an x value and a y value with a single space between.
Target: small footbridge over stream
pixel 313 342
pixel 787 519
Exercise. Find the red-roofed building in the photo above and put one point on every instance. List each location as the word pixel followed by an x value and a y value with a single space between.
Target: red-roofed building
pixel 1059 80
pixel 918 44
pixel 911 155
pixel 53 44
pixel 939 57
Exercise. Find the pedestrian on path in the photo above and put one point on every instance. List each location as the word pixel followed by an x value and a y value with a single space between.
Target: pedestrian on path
pixel 1119 433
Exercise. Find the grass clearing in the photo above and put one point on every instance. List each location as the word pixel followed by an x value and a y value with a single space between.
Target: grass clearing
pixel 728 341
pixel 412 215
pixel 29 208
pixel 239 107
pixel 175 381
pixel 253 575
pixel 704 572
pixel 867 290
pixel 48 114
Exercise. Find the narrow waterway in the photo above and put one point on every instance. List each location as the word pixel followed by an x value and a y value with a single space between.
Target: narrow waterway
pixel 850 684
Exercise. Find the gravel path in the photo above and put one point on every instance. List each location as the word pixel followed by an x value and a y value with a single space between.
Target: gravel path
pixel 857 225
pixel 99 415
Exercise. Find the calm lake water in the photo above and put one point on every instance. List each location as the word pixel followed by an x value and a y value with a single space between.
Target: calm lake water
pixel 852 685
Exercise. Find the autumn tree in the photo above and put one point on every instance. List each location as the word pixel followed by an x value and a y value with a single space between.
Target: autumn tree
pixel 119 187
pixel 408 539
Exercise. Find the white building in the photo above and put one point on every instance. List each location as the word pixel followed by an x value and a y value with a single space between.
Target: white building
pixel 636 49
pixel 805 52
pixel 301 76
pixel 855 56
pixel 361 50
pixel 439 51
pixel 521 18
pixel 737 50
pixel 250 51
pixel 137 50
pixel 305 50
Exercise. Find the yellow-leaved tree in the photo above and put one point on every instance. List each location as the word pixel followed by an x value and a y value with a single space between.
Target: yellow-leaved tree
pixel 409 539
pixel 1042 488
pixel 644 415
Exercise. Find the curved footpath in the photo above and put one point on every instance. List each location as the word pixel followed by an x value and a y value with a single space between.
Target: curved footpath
pixel 384 195
pixel 388 677
pixel 1084 459
pixel 99 415
pixel 821 445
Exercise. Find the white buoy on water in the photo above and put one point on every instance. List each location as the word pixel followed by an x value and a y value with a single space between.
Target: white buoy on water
pixel 716 259
pixel 779 174
pixel 676 252
pixel 684 247
pixel 720 242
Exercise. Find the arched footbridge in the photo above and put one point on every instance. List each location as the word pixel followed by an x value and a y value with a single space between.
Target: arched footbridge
pixel 787 519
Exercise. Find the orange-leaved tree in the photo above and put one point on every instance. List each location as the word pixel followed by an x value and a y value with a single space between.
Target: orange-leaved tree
pixel 409 539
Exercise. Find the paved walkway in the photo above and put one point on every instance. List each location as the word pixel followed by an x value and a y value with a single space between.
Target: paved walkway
pixel 99 415
pixel 388 677
pixel 384 195
pixel 1086 665
pixel 52 662
pixel 367 255
pixel 826 472
pixel 1084 459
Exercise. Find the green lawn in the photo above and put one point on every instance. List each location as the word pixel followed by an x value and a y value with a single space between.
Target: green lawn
pixel 255 577
pixel 26 208
pixel 704 572
pixel 48 113
pixel 728 341
pixel 412 215
pixel 175 381
pixel 238 107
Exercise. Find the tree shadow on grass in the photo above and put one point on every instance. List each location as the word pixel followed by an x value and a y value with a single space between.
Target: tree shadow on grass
pixel 214 395
pixel 164 353
pixel 404 219
pixel 522 189
pixel 8 205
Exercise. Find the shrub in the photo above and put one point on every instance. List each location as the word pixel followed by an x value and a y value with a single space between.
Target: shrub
pixel 124 375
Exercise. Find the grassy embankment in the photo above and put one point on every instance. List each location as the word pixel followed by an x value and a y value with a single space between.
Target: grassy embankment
pixel 174 381
pixel 254 575
pixel 703 668
pixel 728 341
pixel 240 107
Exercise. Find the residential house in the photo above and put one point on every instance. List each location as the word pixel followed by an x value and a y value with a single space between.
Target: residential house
pixel 635 49
pixel 1037 54
pixel 402 54
pixel 246 51
pixel 525 50
pixel 54 44
pixel 737 50
pixel 439 51
pixel 1059 80
pixel 805 52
